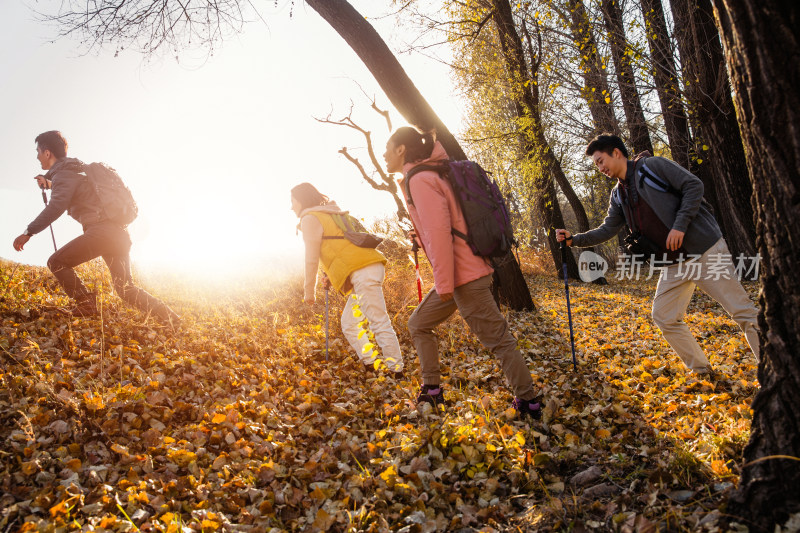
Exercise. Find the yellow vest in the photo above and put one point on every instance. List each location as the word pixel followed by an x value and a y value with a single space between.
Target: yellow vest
pixel 340 257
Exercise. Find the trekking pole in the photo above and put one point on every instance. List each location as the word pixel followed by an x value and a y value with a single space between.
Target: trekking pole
pixel 415 248
pixel 326 324
pixel 53 235
pixel 569 311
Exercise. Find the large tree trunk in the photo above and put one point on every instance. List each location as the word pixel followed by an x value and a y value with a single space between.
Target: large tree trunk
pixel 596 90
pixel 359 34
pixel 631 103
pixel 762 40
pixel 666 78
pixel 723 168
pixel 572 197
pixel 536 146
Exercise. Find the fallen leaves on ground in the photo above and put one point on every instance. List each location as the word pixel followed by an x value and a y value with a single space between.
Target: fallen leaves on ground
pixel 236 422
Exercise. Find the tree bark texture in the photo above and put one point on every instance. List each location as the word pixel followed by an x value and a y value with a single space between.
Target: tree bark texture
pixel 762 44
pixel 572 198
pixel 631 103
pixel 534 141
pixel 665 76
pixel 596 88
pixel 359 34
pixel 708 92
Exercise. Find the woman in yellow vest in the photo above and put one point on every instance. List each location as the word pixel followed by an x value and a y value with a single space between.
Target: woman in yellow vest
pixel 354 271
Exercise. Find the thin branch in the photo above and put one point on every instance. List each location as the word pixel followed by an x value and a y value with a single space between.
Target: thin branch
pixel 374 184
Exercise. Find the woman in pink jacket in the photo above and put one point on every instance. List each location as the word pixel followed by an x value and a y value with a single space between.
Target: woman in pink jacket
pixel 462 280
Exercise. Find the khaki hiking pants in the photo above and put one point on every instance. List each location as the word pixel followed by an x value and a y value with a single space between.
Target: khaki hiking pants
pixel 477 306
pixel 714 274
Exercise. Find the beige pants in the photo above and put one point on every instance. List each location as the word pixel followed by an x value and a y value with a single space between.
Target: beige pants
pixel 480 311
pixel 368 294
pixel 714 273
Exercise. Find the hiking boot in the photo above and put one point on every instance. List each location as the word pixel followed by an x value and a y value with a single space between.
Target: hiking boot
pixel 85 306
pixel 166 315
pixel 531 408
pixel 431 394
pixel 398 375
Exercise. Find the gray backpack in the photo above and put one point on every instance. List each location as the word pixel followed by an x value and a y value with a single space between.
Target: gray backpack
pixel 116 199
pixel 354 232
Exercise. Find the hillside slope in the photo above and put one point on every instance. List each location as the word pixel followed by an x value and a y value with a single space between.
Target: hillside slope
pixel 236 421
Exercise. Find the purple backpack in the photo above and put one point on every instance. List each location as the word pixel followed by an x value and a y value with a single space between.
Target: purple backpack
pixel 489 232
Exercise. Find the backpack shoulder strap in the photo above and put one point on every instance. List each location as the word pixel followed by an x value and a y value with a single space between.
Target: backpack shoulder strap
pixel 342 223
pixel 338 223
pixel 440 169
pixel 646 174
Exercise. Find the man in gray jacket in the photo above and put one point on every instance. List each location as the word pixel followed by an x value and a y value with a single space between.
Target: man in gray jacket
pixel 662 205
pixel 73 193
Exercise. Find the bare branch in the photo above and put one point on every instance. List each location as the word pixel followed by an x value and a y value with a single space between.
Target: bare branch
pixel 384 113
pixel 386 182
pixel 374 184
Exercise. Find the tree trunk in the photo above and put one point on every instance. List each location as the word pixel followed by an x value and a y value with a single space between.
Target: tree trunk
pixel 574 202
pixel 359 34
pixel 596 90
pixel 535 143
pixel 762 39
pixel 713 116
pixel 666 79
pixel 631 103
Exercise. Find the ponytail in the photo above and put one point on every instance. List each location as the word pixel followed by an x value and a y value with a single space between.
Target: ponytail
pixel 418 145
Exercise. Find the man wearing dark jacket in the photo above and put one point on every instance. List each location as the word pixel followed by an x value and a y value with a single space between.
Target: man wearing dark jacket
pixel 662 202
pixel 72 192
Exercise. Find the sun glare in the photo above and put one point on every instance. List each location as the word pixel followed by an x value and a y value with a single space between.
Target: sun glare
pixel 227 245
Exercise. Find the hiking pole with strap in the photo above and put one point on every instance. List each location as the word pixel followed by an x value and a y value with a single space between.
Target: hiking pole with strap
pixel 326 324
pixel 415 249
pixel 569 311
pixel 53 235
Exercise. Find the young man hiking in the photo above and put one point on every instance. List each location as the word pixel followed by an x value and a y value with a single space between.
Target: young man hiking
pixel 661 204
pixel 72 192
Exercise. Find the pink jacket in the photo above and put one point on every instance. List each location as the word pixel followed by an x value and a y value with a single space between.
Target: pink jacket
pixel 434 213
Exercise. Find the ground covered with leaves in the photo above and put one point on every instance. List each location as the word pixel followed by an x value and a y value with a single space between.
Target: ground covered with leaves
pixel 236 422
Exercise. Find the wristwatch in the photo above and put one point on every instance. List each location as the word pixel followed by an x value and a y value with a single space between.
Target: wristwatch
pixel 28 233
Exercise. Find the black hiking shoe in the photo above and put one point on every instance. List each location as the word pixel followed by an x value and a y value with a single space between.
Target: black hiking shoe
pixel 531 408
pixel 431 394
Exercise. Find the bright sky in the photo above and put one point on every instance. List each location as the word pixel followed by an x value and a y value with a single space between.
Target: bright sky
pixel 210 148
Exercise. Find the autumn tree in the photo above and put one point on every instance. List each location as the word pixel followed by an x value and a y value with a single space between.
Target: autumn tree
pixel 517 70
pixel 761 41
pixel 720 153
pixel 631 102
pixel 596 90
pixel 665 75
